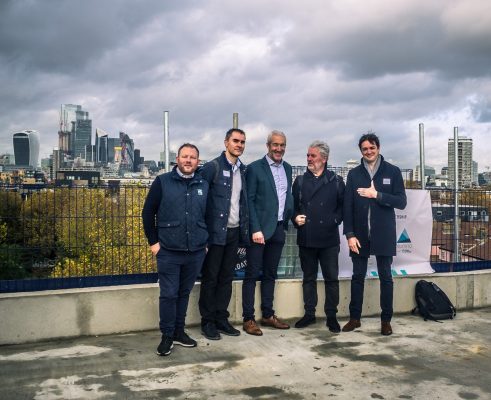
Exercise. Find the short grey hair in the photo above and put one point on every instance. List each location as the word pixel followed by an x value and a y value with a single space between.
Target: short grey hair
pixel 275 133
pixel 322 146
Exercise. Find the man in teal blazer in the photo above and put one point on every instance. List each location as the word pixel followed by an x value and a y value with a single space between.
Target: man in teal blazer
pixel 269 183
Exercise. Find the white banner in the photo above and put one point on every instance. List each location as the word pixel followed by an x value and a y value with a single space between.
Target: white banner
pixel 413 230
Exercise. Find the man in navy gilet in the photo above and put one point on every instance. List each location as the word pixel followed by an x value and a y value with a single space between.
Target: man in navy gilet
pixel 174 224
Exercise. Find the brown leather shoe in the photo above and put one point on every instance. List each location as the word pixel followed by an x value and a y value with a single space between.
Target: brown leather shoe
pixel 251 328
pixel 352 325
pixel 386 328
pixel 274 322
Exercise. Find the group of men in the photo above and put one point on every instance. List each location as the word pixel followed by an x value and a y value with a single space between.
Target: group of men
pixel 196 219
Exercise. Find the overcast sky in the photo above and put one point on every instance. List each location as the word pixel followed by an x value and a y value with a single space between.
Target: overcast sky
pixel 316 69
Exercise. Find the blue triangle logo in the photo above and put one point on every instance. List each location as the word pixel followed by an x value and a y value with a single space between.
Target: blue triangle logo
pixel 404 238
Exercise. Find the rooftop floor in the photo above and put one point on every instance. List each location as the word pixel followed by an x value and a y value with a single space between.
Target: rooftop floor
pixel 421 360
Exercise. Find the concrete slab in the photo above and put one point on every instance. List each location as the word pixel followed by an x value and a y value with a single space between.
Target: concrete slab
pixel 421 360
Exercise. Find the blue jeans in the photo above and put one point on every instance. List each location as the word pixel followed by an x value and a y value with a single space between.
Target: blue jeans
pixel 177 271
pixel 262 259
pixel 358 285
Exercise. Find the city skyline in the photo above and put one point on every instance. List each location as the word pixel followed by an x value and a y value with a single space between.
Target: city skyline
pixel 316 70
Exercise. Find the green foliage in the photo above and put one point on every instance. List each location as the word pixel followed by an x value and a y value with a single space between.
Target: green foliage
pixel 80 231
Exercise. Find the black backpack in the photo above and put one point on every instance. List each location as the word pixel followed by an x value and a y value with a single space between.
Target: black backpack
pixel 432 302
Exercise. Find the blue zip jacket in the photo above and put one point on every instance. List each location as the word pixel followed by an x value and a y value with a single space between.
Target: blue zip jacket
pixel 218 174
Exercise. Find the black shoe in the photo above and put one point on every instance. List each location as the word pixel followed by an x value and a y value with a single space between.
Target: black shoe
pixel 165 346
pixel 306 320
pixel 227 329
pixel 209 331
pixel 182 339
pixel 333 325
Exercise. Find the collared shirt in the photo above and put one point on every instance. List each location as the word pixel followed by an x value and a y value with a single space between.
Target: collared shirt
pixel 281 183
pixel 234 215
pixel 184 175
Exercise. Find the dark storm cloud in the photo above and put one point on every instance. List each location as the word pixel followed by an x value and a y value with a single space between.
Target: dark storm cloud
pixel 379 38
pixel 65 36
pixel 317 70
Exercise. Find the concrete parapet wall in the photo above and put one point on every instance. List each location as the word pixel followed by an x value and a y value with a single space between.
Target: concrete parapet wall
pixel 34 316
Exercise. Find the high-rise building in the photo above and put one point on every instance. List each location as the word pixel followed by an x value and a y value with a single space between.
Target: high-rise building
pixel 429 172
pixel 464 160
pixel 82 133
pixel 26 148
pixel 137 161
pixel 75 131
pixel 56 161
pixel 475 174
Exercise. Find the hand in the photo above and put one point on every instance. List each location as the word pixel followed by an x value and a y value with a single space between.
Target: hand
pixel 155 248
pixel 354 245
pixel 300 219
pixel 370 192
pixel 258 237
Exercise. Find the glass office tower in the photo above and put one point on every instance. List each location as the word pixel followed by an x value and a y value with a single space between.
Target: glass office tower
pixel 26 148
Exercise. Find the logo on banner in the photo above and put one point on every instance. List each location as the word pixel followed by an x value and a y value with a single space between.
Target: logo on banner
pixel 404 238
pixel 404 244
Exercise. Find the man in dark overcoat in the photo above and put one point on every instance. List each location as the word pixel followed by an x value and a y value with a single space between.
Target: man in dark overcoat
pixel 318 210
pixel 373 190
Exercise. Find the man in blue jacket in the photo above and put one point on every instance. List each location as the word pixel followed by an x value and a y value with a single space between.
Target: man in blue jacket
pixel 373 190
pixel 269 182
pixel 227 219
pixel 174 224
pixel 318 210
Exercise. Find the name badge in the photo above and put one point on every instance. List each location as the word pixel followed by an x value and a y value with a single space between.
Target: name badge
pixel 386 181
pixel 200 192
pixel 226 173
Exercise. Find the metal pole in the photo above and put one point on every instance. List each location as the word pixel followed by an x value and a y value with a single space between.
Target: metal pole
pixel 166 140
pixel 456 225
pixel 235 121
pixel 422 156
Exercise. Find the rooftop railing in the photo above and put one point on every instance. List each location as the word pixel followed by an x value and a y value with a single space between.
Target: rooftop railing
pixel 56 237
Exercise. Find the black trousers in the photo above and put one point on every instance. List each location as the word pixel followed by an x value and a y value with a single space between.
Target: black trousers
pixel 310 258
pixel 262 259
pixel 216 279
pixel 358 285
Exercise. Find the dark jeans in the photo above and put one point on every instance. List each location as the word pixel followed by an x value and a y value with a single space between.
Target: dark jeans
pixel 177 273
pixel 310 258
pixel 216 279
pixel 358 284
pixel 262 258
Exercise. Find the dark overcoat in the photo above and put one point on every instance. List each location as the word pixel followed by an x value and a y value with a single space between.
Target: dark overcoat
pixel 263 199
pixel 372 221
pixel 321 201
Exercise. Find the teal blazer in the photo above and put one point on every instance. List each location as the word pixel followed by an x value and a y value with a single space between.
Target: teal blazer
pixel 263 199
